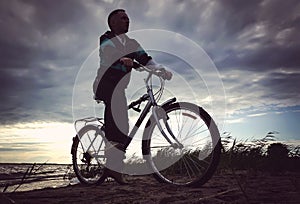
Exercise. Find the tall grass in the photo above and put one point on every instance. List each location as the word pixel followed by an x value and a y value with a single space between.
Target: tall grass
pixel 266 154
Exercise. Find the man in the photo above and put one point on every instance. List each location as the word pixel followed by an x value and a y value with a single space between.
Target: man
pixel 117 53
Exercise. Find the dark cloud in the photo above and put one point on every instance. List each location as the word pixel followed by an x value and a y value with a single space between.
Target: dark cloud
pixel 254 35
pixel 270 57
pixel 262 35
pixel 282 86
pixel 44 42
pixel 258 37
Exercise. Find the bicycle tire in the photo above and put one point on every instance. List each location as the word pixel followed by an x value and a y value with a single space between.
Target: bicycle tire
pixel 88 167
pixel 167 170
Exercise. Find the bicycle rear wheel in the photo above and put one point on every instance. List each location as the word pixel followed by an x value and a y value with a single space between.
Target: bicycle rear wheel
pixel 194 152
pixel 88 154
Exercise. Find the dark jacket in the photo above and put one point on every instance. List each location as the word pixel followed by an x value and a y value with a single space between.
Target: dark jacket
pixel 111 71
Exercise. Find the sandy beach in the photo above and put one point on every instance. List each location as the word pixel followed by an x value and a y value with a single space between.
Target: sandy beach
pixel 242 187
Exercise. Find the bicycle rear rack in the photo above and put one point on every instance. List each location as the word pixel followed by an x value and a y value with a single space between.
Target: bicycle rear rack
pixel 89 120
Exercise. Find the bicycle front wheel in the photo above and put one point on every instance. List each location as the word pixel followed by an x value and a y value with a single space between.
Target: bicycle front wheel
pixel 190 155
pixel 88 154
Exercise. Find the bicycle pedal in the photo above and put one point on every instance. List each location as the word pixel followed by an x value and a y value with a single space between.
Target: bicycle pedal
pixel 136 109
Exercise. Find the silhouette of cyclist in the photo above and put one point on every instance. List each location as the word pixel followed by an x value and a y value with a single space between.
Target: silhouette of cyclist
pixel 117 53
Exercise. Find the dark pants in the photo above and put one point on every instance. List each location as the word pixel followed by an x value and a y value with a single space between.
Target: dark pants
pixel 116 117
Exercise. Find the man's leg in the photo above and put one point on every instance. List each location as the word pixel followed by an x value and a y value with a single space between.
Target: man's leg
pixel 116 131
pixel 116 118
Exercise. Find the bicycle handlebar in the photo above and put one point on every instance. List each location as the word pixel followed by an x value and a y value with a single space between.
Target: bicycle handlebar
pixel 162 72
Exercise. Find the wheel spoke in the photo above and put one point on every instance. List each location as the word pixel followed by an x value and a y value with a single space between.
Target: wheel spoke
pixel 88 158
pixel 204 138
pixel 159 146
pixel 186 167
pixel 193 163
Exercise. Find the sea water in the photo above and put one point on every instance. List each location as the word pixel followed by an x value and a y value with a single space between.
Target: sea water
pixel 26 177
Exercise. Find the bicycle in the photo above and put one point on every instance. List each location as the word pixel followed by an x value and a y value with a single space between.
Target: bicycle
pixel 181 142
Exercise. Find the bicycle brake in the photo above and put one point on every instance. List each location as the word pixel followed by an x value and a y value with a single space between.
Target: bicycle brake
pixel 160 112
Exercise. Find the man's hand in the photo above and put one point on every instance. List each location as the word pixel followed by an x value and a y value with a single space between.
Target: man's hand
pixel 126 61
pixel 164 73
pixel 168 75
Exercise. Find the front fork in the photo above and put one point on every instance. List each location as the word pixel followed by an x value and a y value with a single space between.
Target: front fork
pixel 159 113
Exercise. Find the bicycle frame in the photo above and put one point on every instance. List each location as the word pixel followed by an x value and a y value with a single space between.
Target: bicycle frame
pixel 151 103
pixel 155 110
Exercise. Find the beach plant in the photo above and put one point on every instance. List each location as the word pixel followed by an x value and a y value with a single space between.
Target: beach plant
pixel 265 154
pixel 28 172
pixel 277 159
pixel 28 175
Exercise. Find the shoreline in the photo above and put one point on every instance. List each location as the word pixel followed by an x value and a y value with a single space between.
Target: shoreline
pixel 36 163
pixel 255 187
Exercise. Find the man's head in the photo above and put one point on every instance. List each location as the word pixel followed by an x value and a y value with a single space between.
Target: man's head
pixel 118 21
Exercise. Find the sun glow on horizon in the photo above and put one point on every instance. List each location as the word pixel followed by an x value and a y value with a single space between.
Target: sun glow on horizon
pixel 36 142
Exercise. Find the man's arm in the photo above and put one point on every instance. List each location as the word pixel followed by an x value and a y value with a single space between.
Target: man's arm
pixel 143 58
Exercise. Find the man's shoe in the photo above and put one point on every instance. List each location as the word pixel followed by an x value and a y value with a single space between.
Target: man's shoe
pixel 117 176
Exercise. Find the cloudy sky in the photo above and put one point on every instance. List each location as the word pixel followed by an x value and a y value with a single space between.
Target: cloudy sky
pixel 44 43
